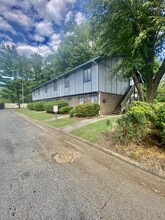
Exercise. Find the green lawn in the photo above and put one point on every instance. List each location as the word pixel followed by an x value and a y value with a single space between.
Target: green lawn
pixel 40 116
pixel 93 131
pixel 61 122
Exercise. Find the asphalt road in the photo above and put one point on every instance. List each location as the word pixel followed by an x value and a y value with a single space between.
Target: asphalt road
pixel 48 175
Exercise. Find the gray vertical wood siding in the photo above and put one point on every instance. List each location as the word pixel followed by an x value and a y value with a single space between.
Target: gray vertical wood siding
pixel 108 82
pixel 101 80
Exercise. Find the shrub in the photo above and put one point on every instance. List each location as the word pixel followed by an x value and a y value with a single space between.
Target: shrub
pixel 65 109
pixel 30 106
pixel 72 112
pixel 159 122
pixel 48 106
pixel 140 109
pixel 160 97
pixel 87 109
pixel 38 106
pixel 136 124
pixel 141 119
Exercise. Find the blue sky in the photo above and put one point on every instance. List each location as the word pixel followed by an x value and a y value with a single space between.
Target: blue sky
pixel 35 26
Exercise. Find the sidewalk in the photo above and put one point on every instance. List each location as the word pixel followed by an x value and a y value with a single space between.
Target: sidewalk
pixel 78 124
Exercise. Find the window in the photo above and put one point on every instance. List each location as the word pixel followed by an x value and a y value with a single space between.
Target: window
pixel 93 99
pixel 80 100
pixel 87 75
pixel 46 89
pixel 69 101
pixel 39 91
pixel 66 81
pixel 55 85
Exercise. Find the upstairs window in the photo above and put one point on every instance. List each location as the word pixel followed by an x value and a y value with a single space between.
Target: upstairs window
pixel 87 75
pixel 55 85
pixel 66 81
pixel 46 88
pixel 39 91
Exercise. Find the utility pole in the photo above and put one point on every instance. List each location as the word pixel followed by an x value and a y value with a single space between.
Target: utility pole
pixel 22 94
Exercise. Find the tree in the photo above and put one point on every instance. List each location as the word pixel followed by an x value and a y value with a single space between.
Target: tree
pixel 19 73
pixel 76 48
pixel 133 29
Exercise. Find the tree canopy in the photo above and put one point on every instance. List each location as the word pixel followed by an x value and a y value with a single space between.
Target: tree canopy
pixel 135 30
pixel 76 48
pixel 19 73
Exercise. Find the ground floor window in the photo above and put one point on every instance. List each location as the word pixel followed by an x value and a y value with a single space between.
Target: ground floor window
pixel 93 98
pixel 80 100
pixel 69 100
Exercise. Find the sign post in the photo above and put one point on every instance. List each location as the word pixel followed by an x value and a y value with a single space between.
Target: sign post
pixel 55 109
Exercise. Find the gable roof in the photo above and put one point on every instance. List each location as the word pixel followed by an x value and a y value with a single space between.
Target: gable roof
pixel 96 59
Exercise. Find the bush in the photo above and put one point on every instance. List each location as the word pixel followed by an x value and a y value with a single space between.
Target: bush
pixel 38 106
pixel 72 112
pixel 48 106
pixel 30 106
pixel 138 110
pixel 65 109
pixel 87 109
pixel 159 123
pixel 160 97
pixel 141 119
pixel 136 124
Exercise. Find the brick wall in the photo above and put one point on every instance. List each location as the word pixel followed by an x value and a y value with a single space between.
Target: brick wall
pixel 108 102
pixel 74 99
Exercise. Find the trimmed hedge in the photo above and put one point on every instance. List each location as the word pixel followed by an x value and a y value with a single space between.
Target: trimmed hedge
pixel 30 106
pixel 72 112
pixel 87 109
pixel 48 106
pixel 65 109
pixel 38 106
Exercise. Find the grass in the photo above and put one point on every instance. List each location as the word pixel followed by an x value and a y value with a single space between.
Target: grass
pixel 40 116
pixel 61 122
pixel 93 131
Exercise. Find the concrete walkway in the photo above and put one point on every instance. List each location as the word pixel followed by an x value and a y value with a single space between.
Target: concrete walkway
pixel 78 124
pixel 58 117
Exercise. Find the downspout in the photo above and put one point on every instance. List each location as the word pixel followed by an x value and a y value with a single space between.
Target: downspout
pixel 99 87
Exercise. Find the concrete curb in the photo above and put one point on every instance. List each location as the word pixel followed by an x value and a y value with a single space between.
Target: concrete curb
pixel 118 156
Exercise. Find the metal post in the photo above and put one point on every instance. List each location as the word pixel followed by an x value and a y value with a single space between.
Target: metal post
pixel 22 94
pixel 56 116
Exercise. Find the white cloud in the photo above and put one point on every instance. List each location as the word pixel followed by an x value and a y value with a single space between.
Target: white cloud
pixel 54 10
pixel 10 43
pixel 79 17
pixel 5 26
pixel 54 42
pixel 6 37
pixel 69 16
pixel 28 50
pixel 37 38
pixel 18 17
pixel 44 28
pixel 8 3
pixel 37 17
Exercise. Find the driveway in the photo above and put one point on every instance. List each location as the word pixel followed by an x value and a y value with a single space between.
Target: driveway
pixel 47 175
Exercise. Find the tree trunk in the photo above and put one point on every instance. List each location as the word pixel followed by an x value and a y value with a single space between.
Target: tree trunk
pixel 151 91
pixel 136 82
pixel 153 83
